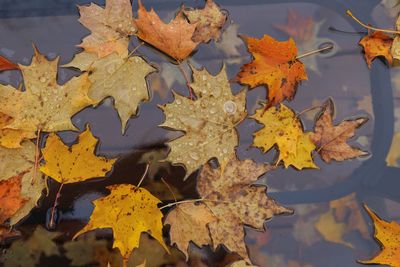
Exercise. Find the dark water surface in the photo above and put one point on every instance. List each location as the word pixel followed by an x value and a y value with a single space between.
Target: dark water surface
pixel 341 74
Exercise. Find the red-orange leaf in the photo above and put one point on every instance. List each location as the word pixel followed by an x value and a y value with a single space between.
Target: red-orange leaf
pixel 5 64
pixel 10 197
pixel 174 38
pixel 274 65
pixel 375 45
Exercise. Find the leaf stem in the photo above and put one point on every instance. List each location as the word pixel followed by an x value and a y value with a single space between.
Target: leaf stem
pixel 186 79
pixel 328 47
pixel 52 223
pixel 144 175
pixel 349 13
pixel 307 110
pixel 169 188
pixel 180 202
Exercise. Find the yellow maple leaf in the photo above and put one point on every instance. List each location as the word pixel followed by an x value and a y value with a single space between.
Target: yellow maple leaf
pixel 74 164
pixel 283 128
pixel 12 138
pixel 388 236
pixel 129 211
pixel 45 104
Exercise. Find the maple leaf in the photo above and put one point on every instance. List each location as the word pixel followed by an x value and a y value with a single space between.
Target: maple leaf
pixel 10 197
pixel 129 211
pixel 388 236
pixel 274 65
pixel 375 45
pixel 283 128
pixel 12 138
pixel 229 44
pixel 44 105
pixel 241 263
pixel 393 156
pixel 209 21
pixel 123 78
pixel 208 122
pixel 189 223
pixel 174 39
pixel 236 202
pixel 6 64
pixel 331 140
pixel 27 252
pixel 110 27
pixel 21 162
pixel 395 49
pixel 73 164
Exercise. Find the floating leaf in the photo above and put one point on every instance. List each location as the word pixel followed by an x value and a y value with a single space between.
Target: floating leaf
pixel 129 211
pixel 189 223
pixel 110 27
pixel 283 128
pixel 377 44
pixel 6 64
pixel 393 156
pixel 388 236
pixel 174 39
pixel 123 78
pixel 74 164
pixel 44 105
pixel 236 202
pixel 274 65
pixel 209 21
pixel 208 122
pixel 10 197
pixel 331 140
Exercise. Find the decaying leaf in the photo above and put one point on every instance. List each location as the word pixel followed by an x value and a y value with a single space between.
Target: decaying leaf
pixel 10 197
pixel 27 252
pixel 332 230
pixel 377 44
pixel 209 19
pixel 331 140
pixel 208 122
pixel 189 223
pixel 283 128
pixel 174 39
pixel 20 162
pixel 236 202
pixel 74 164
pixel 275 66
pixel 388 236
pixel 123 78
pixel 44 105
pixel 229 44
pixel 12 138
pixel 6 64
pixel 110 27
pixel 129 211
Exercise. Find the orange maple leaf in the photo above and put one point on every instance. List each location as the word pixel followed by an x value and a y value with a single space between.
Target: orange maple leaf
pixel 174 38
pixel 10 197
pixel 274 65
pixel 375 45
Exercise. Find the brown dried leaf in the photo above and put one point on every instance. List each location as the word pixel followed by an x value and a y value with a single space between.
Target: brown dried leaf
pixel 331 140
pixel 236 202
pixel 209 21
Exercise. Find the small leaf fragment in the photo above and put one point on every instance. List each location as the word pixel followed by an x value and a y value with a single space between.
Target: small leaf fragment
pixel 6 64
